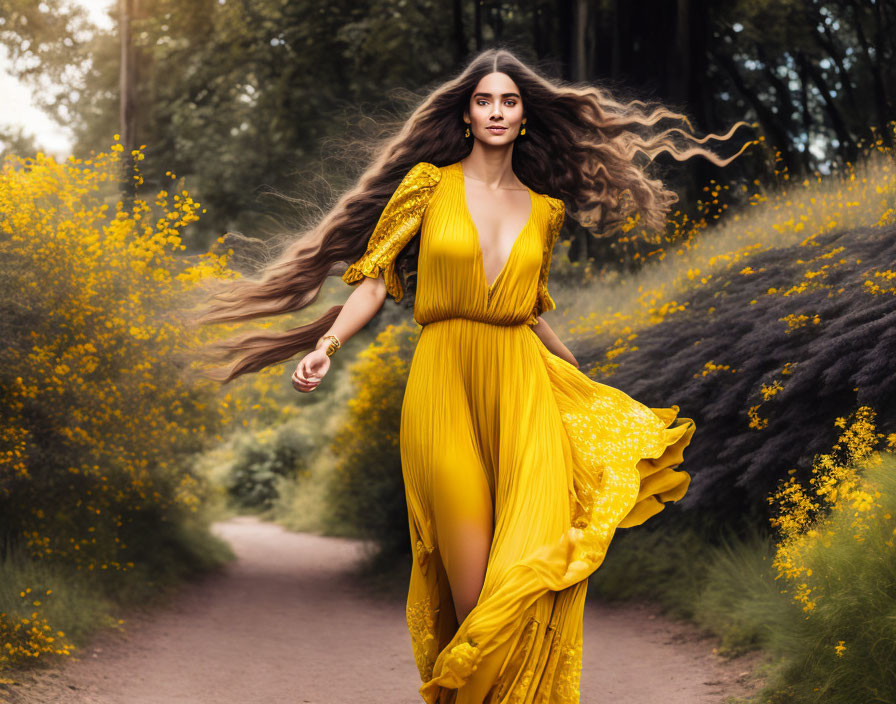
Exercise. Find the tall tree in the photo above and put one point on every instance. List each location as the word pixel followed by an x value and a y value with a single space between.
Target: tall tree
pixel 128 95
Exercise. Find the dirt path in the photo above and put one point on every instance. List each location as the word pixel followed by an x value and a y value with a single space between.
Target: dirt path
pixel 285 623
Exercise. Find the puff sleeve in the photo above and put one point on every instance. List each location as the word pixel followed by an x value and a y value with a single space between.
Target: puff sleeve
pixel 397 225
pixel 543 300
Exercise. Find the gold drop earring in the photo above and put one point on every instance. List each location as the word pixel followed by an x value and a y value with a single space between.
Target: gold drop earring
pixel 467 133
pixel 523 131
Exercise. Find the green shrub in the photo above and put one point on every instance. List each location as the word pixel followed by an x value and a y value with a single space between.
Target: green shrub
pixel 263 460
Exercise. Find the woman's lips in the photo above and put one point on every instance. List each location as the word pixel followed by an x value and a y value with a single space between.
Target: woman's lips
pixel 497 130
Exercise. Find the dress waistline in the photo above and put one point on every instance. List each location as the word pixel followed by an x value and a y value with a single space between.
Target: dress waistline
pixel 475 320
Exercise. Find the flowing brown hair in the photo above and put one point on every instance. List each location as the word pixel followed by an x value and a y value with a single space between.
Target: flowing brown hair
pixel 581 145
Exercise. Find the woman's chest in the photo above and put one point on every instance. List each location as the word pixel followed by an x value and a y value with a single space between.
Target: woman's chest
pixel 451 244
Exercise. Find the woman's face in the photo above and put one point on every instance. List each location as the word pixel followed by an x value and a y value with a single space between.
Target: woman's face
pixel 495 104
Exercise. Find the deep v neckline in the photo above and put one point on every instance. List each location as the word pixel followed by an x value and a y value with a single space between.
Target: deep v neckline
pixel 489 287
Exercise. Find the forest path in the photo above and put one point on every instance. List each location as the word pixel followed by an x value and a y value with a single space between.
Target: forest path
pixel 285 622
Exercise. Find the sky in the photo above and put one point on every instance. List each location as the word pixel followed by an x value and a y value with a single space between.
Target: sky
pixel 17 106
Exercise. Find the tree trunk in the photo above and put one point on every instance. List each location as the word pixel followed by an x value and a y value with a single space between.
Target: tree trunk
pixel 127 99
pixel 578 67
pixel 460 41
pixel 477 23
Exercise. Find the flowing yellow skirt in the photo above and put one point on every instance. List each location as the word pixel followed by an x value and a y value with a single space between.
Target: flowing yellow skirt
pixel 494 426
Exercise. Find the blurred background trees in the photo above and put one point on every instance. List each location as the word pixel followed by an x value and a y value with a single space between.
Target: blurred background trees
pixel 242 96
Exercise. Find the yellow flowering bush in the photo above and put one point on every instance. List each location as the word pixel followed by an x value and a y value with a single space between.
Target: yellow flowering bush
pixel 99 423
pixel 835 558
pixel 837 486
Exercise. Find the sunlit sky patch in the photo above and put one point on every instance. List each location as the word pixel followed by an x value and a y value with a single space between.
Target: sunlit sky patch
pixel 17 107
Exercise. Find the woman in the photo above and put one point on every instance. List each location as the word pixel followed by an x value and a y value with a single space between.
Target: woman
pixel 518 468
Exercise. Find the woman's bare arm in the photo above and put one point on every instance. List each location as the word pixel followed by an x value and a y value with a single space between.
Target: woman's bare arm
pixel 359 308
pixel 552 342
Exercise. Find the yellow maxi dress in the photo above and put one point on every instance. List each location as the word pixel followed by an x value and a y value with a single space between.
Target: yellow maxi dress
pixel 490 415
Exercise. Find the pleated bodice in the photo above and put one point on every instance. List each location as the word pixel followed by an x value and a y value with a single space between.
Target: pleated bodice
pixel 451 279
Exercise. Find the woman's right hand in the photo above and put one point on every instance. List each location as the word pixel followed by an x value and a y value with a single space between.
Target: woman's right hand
pixel 311 370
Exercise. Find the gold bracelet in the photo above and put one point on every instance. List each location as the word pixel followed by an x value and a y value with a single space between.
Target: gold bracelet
pixel 333 345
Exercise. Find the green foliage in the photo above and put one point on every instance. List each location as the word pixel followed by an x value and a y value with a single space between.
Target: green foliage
pixel 238 97
pixel 263 460
pixel 738 597
pixel 843 650
pixel 301 505
pixel 723 583
pixel 48 44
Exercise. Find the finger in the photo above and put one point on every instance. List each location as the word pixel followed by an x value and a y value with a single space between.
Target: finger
pixel 310 374
pixel 299 386
pixel 298 377
pixel 302 381
pixel 305 384
pixel 310 371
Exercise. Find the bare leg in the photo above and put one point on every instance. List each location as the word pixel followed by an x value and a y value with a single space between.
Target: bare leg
pixel 464 521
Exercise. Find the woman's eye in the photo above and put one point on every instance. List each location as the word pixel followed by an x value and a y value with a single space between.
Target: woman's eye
pixel 509 102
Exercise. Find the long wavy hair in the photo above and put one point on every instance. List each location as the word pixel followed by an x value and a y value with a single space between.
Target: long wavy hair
pixel 581 145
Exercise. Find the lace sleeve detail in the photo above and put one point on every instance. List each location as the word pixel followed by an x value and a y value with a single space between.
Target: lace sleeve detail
pixel 398 223
pixel 543 300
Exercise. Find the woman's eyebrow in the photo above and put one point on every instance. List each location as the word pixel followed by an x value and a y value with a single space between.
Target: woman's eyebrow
pixel 503 95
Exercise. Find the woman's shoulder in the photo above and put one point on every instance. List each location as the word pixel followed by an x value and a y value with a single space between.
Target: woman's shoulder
pixel 554 204
pixel 431 173
pixel 424 173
